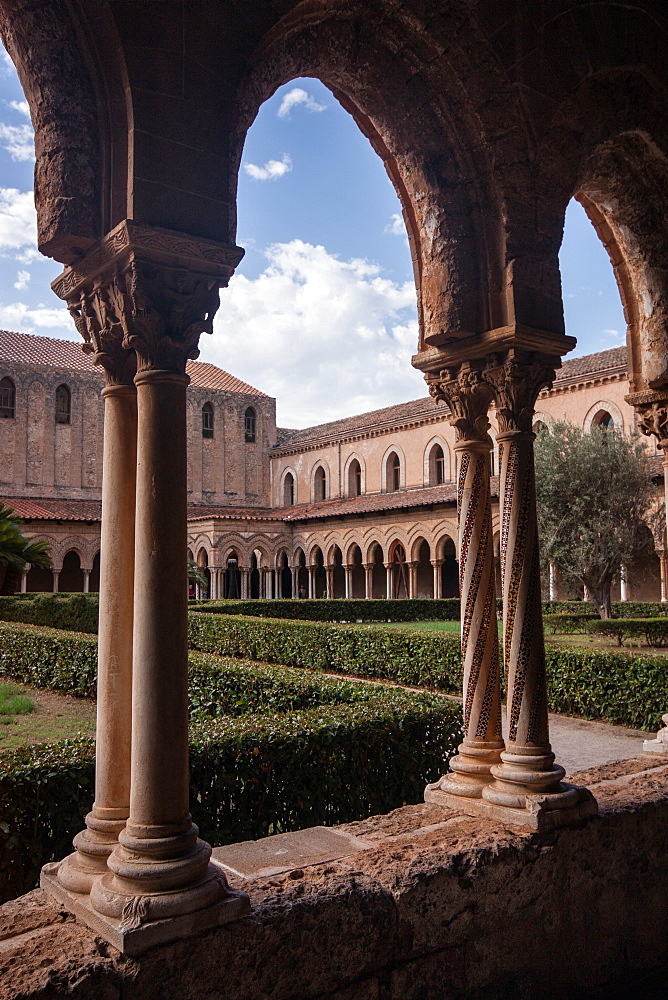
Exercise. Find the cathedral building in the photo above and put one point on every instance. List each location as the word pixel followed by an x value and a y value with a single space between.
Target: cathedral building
pixel 360 507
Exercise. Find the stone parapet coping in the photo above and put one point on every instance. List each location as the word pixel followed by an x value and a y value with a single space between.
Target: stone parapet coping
pixel 436 904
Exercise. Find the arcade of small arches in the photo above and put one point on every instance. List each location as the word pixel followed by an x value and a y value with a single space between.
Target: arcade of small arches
pixel 421 565
pixel 75 569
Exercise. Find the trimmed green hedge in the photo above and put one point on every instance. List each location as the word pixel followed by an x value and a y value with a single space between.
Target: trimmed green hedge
pixel 620 609
pixel 339 610
pixel 653 630
pixel 272 749
pixel 567 624
pixel 625 690
pixel 418 659
pixel 74 612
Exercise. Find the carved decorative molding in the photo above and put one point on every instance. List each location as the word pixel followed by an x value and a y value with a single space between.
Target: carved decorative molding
pixel 653 421
pixel 468 395
pixel 146 292
pixel 516 380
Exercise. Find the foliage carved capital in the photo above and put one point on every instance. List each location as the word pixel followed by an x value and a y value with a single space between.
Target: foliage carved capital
pixel 468 396
pixel 142 296
pixel 515 379
pixel 652 421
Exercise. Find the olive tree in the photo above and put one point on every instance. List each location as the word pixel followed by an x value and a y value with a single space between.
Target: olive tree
pixel 595 500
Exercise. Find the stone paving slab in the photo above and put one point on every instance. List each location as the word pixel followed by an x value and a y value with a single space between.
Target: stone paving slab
pixel 579 744
pixel 287 852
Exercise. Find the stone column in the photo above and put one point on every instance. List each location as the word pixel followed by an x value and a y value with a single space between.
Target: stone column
pixel 652 416
pixel 664 575
pixel 160 289
pixel 295 583
pixel 56 574
pixel 311 583
pixel 24 578
pixel 349 581
pixel 468 395
pixel 436 566
pixel 389 581
pixel 245 582
pixel 527 777
pixel 329 574
pixel 623 584
pixel 368 581
pixel 553 582
pixel 114 678
pixel 86 582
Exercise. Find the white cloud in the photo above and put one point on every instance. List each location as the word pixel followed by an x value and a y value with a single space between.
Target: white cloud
pixel 615 335
pixel 18 219
pixel 396 227
pixel 22 280
pixel 327 337
pixel 295 97
pixel 18 140
pixel 42 319
pixel 21 106
pixel 271 171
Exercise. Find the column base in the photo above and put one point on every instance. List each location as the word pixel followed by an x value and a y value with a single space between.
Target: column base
pixel 567 807
pixel 660 742
pixel 93 846
pixel 133 934
pixel 470 771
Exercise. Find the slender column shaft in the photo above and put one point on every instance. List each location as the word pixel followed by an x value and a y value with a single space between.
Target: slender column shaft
pixel 295 582
pixel 160 859
pixel 389 581
pixel 483 742
pixel 436 565
pixel 368 581
pixel 311 582
pixel 244 583
pixel 412 579
pixel 349 582
pixel 623 585
pixel 329 572
pixel 114 678
pixel 86 581
pixel 664 576
pixel 24 578
pixel 56 574
pixel 527 762
pixel 553 582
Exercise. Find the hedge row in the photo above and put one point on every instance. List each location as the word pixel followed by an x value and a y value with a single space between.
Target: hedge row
pixel 303 749
pixel 653 630
pixel 566 624
pixel 74 612
pixel 620 609
pixel 339 610
pixel 409 657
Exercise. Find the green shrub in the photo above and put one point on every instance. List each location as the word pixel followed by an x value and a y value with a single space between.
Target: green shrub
pixel 620 609
pixel 249 777
pixel 419 659
pixel 74 612
pixel 625 690
pixel 272 749
pixel 566 624
pixel 653 630
pixel 339 610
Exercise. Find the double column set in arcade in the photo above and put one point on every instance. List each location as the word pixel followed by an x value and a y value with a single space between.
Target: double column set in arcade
pixel 515 779
pixel 140 875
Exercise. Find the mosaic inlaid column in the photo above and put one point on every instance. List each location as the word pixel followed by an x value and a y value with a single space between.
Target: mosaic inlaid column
pixel 114 674
pixel 468 396
pixel 527 767
pixel 652 416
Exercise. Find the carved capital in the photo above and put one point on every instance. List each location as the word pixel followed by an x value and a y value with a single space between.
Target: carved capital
pixel 652 421
pixel 146 293
pixel 516 378
pixel 468 395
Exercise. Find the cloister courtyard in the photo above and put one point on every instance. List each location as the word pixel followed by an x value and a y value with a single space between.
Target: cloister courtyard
pixel 347 762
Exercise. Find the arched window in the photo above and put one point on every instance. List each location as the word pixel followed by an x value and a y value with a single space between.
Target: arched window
pixel 604 420
pixel 207 420
pixel 319 484
pixel 63 404
pixel 436 466
pixel 538 426
pixel 7 399
pixel 354 479
pixel 288 490
pixel 249 425
pixel 393 472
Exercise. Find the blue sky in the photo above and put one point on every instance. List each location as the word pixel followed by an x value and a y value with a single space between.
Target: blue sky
pixel 321 312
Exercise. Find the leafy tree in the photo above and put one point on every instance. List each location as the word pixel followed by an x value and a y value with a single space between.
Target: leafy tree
pixel 595 500
pixel 15 549
pixel 197 575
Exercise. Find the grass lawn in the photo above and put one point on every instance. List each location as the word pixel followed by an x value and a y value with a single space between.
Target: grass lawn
pixel 51 716
pixel 420 626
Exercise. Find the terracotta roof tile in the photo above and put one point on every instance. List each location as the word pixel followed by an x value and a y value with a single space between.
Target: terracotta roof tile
pixel 29 349
pixel 589 364
pixel 388 416
pixel 55 510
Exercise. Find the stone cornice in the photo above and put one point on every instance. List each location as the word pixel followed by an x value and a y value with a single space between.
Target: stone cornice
pixel 588 381
pixel 283 450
